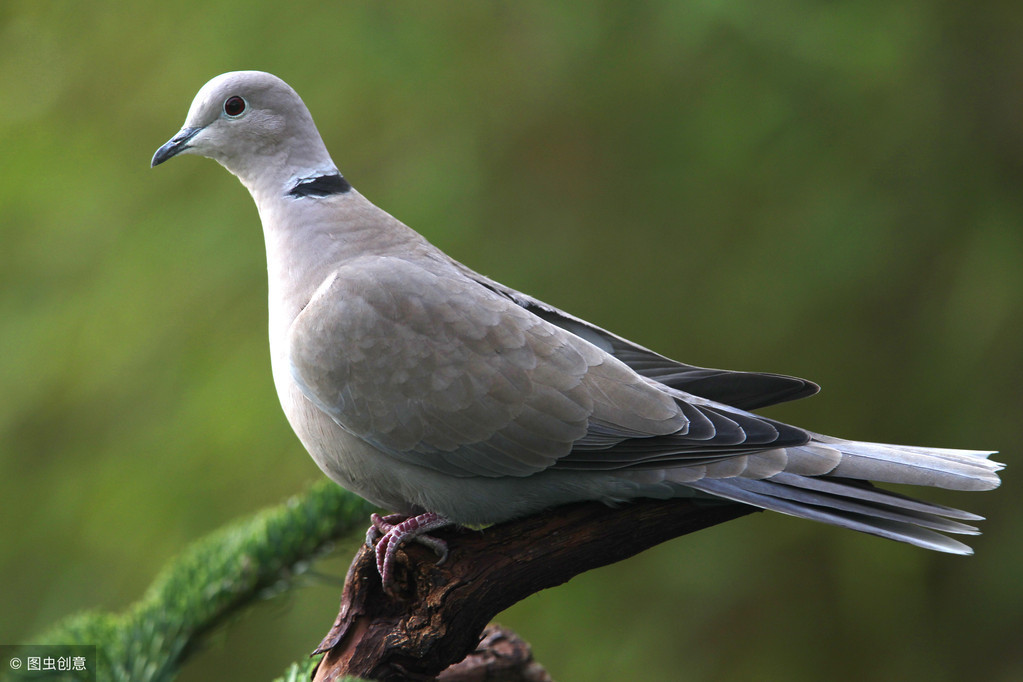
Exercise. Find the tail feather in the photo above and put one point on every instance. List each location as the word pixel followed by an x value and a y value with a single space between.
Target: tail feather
pixel 868 493
pixel 853 499
pixel 903 531
pixel 845 496
pixel 934 467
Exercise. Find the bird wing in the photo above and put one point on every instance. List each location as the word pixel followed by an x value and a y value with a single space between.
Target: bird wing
pixel 744 390
pixel 435 369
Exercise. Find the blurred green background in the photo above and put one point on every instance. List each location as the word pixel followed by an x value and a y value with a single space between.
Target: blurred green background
pixel 831 190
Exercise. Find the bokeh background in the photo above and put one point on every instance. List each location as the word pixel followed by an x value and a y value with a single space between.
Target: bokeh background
pixel 831 190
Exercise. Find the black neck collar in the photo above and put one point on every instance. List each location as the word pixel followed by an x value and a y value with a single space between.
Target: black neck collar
pixel 320 186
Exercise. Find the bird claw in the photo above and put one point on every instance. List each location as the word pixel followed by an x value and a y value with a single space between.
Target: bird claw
pixel 381 525
pixel 389 533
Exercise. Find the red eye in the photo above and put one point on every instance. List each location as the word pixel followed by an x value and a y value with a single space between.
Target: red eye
pixel 234 106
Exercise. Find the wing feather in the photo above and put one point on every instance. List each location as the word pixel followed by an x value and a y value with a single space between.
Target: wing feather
pixel 744 390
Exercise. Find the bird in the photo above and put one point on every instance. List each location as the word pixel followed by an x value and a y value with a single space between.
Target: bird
pixel 448 398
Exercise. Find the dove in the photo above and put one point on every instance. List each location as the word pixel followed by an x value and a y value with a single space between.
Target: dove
pixel 448 398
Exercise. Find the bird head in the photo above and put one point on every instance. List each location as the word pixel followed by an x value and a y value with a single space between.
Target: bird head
pixel 255 125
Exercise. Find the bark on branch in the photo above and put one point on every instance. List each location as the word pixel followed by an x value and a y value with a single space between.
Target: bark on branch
pixel 440 612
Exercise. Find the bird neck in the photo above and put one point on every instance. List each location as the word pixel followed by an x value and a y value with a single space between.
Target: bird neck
pixel 274 164
pixel 281 174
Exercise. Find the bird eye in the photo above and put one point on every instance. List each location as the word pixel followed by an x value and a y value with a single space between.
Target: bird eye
pixel 234 106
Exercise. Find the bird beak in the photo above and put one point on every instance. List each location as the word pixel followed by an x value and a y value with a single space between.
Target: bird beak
pixel 174 146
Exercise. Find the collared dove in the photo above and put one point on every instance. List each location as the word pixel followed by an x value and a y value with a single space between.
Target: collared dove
pixel 442 395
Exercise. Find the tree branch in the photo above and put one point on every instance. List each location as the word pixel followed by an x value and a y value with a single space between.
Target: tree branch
pixel 439 612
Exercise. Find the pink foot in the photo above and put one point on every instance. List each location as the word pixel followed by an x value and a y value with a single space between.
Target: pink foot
pixel 392 531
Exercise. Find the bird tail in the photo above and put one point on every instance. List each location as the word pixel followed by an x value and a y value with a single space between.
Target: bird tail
pixel 845 496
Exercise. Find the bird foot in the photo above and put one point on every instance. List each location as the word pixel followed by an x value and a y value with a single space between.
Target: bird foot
pixel 390 532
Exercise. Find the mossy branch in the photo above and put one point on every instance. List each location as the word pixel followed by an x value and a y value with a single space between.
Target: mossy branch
pixel 213 578
pixel 236 565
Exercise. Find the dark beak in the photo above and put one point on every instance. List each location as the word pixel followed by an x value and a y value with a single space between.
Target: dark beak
pixel 175 146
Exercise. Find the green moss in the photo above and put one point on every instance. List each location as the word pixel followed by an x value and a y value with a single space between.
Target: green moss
pixel 215 577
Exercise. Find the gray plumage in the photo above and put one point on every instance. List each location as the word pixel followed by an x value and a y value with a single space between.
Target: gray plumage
pixel 426 387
